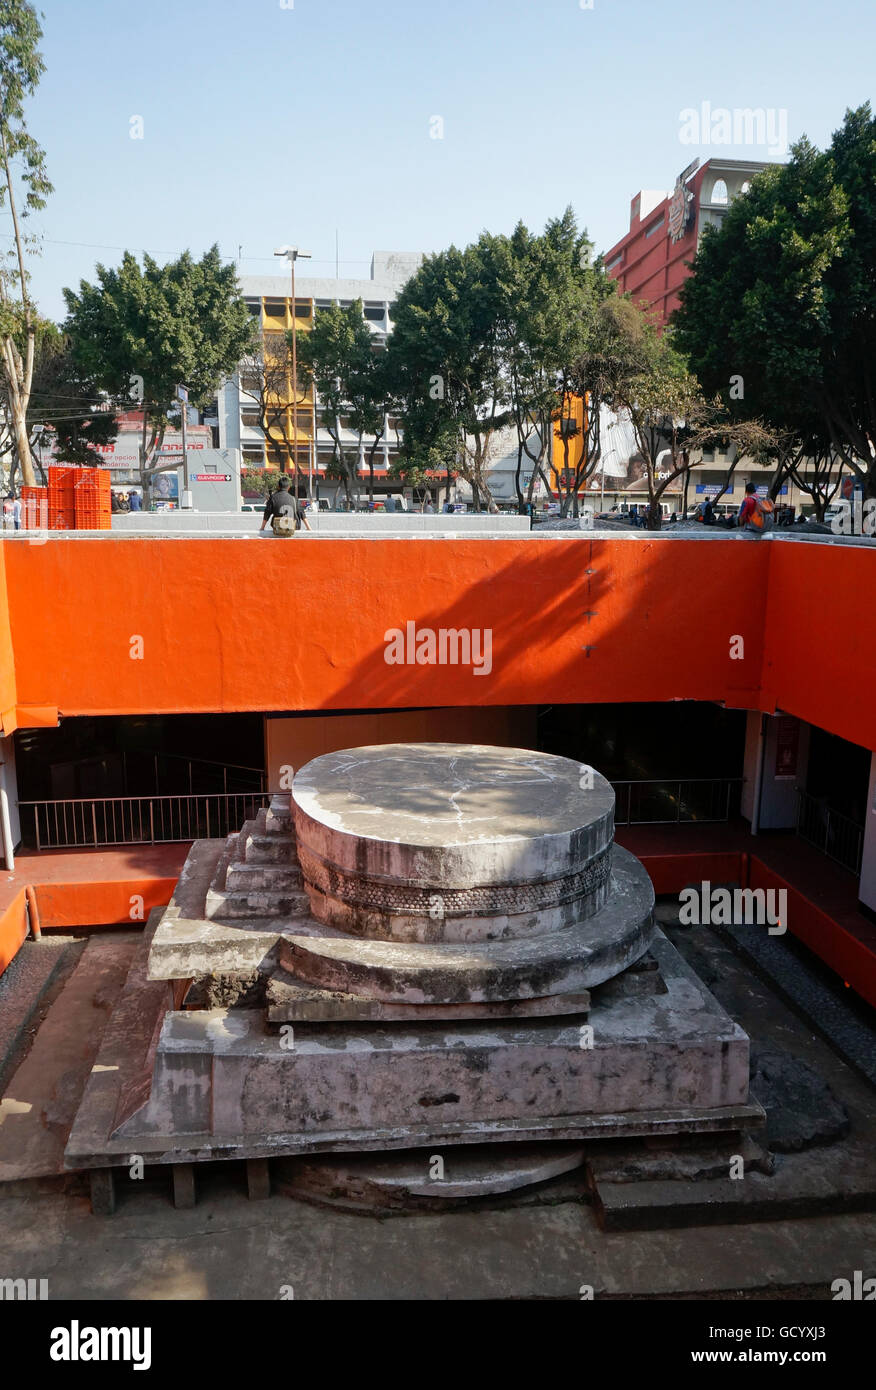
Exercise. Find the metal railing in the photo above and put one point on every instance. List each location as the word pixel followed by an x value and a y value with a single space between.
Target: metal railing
pixel 669 801
pixel 837 836
pixel 92 822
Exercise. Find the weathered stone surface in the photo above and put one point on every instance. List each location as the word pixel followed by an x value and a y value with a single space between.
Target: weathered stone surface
pixel 447 973
pixel 447 842
pixel 424 1179
pixel 801 1108
pixel 683 1161
pixel 188 944
pixel 221 1073
pixel 290 1001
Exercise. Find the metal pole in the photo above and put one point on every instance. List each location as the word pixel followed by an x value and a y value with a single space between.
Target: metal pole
pixel 187 501
pixel 294 379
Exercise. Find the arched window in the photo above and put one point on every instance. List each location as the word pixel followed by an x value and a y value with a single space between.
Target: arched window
pixel 719 192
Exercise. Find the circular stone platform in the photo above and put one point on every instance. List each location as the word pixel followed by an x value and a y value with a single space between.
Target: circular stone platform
pixel 444 842
pixel 421 1179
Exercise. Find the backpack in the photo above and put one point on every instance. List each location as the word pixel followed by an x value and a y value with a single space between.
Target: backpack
pixel 762 516
pixel 284 504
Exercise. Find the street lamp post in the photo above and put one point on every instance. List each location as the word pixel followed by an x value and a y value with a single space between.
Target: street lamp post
pixel 292 254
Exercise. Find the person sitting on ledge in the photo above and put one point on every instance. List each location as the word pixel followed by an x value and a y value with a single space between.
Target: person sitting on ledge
pixel 284 512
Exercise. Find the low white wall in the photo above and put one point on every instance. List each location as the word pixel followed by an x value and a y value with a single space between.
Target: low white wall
pixel 321 523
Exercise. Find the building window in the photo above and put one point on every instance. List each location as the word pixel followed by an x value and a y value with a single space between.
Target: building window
pixel 254 309
pixel 302 308
pixel 615 261
pixel 719 192
pixel 275 308
pixel 655 226
pixel 251 419
pixel 374 313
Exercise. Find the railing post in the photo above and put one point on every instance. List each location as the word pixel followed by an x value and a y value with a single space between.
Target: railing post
pixel 94 820
pixel 151 823
pixel 36 821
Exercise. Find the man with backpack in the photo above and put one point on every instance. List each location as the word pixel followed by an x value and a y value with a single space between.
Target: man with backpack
pixel 285 514
pixel 756 513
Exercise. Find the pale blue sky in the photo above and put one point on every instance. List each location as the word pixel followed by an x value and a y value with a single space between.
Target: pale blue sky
pixel 265 125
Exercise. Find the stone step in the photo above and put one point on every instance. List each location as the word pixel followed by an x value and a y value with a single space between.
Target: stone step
pixel 277 820
pixel 249 876
pixel 270 849
pixel 257 903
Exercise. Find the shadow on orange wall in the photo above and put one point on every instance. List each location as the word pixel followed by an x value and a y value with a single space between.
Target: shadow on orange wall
pixel 154 626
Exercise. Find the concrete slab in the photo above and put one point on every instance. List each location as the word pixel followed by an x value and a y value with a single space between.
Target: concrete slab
pixel 42 1096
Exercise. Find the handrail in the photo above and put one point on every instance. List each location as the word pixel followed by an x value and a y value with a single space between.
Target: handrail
pixel 715 807
pixel 92 822
pixel 835 834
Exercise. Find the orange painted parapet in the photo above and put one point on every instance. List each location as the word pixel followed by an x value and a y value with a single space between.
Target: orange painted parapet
pixel 13 928
pixel 670 873
pixel 28 717
pixel 108 903
pixel 851 954
pixel 7 659
pixel 155 626
pixel 165 625
pixel 820 657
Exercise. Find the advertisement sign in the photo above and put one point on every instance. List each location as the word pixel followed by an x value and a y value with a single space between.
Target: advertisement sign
pixel 787 744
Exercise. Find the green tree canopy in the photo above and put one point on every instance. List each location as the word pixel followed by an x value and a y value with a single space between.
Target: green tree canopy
pixel 139 333
pixel 781 299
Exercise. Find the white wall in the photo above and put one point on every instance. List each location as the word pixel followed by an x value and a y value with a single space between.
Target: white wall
pixel 778 798
pixel 867 887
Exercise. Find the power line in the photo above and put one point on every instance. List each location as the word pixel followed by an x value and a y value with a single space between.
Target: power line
pixel 101 246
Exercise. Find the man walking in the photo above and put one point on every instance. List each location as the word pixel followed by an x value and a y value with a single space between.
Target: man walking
pixel 283 512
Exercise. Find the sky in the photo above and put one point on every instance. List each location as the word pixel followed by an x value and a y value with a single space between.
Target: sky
pixel 400 125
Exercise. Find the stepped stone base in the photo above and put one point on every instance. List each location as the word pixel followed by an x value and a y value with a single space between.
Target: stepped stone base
pixel 221 1084
pixel 426 946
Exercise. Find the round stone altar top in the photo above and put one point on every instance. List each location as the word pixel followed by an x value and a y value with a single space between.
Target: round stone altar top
pixel 450 793
pixel 451 816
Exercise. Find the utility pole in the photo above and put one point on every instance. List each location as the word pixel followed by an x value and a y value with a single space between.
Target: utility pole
pixel 183 398
pixel 292 253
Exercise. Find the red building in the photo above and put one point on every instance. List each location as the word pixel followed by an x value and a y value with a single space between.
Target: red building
pixel 653 260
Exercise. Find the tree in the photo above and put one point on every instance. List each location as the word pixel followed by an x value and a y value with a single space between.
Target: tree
pixel 651 383
pixel 141 333
pixel 265 376
pixel 65 404
pixel 780 301
pixel 24 188
pixel 552 299
pixel 339 354
pixel 445 360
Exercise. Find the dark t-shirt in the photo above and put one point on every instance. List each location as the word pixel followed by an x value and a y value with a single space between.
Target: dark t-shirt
pixel 282 503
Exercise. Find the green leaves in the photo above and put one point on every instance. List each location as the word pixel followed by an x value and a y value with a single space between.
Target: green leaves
pixel 182 322
pixel 782 295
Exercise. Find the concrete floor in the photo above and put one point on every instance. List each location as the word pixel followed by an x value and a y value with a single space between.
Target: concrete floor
pixel 544 1247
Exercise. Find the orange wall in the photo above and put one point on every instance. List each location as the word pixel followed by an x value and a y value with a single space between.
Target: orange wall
pixel 247 624
pixel 252 625
pixel 820 660
pixel 7 665
pixel 13 928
